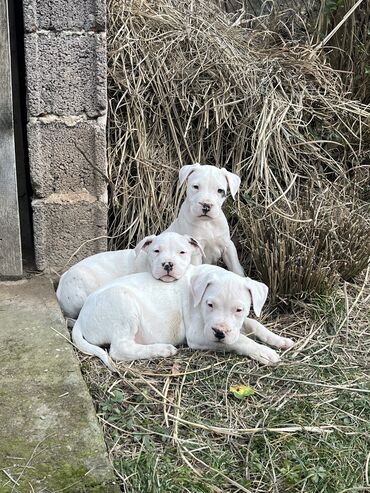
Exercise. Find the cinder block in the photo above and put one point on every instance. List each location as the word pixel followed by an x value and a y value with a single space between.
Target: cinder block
pixel 59 15
pixel 66 74
pixel 56 163
pixel 64 225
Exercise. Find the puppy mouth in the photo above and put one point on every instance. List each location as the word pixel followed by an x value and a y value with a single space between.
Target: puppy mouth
pixel 205 216
pixel 167 278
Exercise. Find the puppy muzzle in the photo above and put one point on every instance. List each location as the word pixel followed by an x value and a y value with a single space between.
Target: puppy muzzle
pixel 223 334
pixel 219 334
pixel 167 266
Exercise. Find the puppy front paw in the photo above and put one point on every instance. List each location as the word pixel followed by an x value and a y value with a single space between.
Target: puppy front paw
pixel 284 343
pixel 166 350
pixel 265 355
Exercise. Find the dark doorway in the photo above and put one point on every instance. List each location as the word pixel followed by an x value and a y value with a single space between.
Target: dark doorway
pixel 20 130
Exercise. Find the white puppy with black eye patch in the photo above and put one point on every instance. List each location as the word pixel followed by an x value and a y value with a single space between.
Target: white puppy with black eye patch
pixel 201 213
pixel 165 256
pixel 142 318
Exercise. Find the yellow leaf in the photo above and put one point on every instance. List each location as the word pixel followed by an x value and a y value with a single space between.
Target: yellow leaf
pixel 241 391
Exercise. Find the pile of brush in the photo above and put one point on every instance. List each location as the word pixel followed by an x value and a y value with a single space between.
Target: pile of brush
pixel 187 83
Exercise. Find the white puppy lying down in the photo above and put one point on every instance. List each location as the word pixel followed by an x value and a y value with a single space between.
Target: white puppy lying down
pixel 143 318
pixel 166 257
pixel 201 213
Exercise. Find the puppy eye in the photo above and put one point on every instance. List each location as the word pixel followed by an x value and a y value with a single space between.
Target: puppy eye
pixel 221 191
pixel 238 310
pixel 210 305
pixel 196 187
pixel 182 252
pixel 156 251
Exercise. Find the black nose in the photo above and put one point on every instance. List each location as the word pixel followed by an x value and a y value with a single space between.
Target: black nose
pixel 218 334
pixel 205 207
pixel 168 266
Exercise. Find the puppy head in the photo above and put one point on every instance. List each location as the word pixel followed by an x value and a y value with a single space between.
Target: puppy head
pixel 225 301
pixel 207 188
pixel 169 254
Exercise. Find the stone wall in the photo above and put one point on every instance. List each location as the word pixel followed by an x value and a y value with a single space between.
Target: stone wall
pixel 65 51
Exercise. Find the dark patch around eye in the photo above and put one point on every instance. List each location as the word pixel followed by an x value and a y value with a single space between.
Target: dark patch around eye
pixel 221 191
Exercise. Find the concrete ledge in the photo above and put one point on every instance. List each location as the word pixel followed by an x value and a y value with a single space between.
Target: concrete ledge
pixel 57 165
pixel 64 223
pixel 66 73
pixel 50 439
pixel 61 15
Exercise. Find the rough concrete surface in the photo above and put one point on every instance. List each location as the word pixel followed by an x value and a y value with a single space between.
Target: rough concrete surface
pixel 57 165
pixel 66 73
pixel 50 439
pixel 66 223
pixel 61 15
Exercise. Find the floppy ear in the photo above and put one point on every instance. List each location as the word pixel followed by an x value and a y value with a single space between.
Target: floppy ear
pixel 233 181
pixel 258 292
pixel 195 244
pixel 198 285
pixel 143 244
pixel 186 170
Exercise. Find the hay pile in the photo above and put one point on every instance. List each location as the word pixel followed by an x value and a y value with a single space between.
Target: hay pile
pixel 186 85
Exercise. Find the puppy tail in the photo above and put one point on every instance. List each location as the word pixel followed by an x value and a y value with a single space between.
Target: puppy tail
pixel 85 347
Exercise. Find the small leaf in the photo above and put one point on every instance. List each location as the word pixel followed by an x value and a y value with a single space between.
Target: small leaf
pixel 241 391
pixel 118 396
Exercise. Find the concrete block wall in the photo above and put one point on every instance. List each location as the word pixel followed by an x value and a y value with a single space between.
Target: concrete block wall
pixel 65 51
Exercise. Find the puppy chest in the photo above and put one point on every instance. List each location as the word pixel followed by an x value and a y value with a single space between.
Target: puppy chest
pixel 213 250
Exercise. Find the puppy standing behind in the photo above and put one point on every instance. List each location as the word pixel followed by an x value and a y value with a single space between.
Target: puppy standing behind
pixel 166 257
pixel 142 318
pixel 201 213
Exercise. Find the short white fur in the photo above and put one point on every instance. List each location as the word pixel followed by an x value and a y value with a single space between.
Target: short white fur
pixel 150 255
pixel 142 318
pixel 201 214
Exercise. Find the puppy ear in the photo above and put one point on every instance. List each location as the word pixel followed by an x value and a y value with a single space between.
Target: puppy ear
pixel 186 170
pixel 198 285
pixel 258 292
pixel 195 244
pixel 143 244
pixel 233 181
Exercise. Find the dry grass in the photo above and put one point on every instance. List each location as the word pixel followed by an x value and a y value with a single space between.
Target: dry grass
pixel 172 425
pixel 188 83
pixel 304 247
pixel 348 48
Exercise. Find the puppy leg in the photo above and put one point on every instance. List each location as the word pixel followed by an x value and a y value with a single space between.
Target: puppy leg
pixel 244 346
pixel 253 350
pixel 230 257
pixel 124 350
pixel 265 335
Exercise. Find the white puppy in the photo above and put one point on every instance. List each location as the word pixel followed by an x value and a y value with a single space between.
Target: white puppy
pixel 166 257
pixel 141 317
pixel 201 213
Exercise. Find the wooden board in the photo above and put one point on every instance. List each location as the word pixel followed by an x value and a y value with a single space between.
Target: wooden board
pixel 10 243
